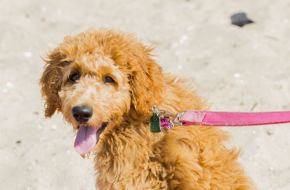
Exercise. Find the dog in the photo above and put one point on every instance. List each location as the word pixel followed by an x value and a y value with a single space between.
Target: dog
pixel 105 83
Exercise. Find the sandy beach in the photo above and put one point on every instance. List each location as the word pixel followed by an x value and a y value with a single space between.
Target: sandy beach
pixel 235 69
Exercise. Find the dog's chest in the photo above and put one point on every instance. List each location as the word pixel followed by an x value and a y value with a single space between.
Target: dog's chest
pixel 127 159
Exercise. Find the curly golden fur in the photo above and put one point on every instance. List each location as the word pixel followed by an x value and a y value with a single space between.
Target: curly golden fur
pixel 128 155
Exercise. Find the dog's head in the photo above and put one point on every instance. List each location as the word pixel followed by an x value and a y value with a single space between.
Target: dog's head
pixel 96 79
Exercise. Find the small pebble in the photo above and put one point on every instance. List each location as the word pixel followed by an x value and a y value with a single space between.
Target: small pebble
pixel 240 19
pixel 270 133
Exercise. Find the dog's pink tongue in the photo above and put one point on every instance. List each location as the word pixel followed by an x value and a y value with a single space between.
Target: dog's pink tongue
pixel 85 140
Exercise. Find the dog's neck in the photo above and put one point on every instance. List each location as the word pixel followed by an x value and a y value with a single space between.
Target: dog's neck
pixel 180 96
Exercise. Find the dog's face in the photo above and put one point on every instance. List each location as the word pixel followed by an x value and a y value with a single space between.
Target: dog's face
pixel 94 90
pixel 96 79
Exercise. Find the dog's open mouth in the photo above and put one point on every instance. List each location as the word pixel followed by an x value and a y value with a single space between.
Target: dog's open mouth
pixel 87 137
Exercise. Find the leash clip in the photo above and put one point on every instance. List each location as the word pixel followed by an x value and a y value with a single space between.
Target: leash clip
pixel 165 119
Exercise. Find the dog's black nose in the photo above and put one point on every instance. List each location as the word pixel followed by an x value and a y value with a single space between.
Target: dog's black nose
pixel 82 113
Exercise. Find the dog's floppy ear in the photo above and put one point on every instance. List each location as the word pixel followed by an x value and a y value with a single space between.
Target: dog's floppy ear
pixel 146 80
pixel 51 81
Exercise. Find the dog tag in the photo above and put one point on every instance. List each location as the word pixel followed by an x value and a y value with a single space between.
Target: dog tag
pixel 155 124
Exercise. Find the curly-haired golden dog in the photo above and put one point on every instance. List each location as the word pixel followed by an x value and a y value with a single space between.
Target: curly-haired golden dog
pixel 105 84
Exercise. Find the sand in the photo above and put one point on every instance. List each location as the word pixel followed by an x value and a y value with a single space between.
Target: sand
pixel 235 69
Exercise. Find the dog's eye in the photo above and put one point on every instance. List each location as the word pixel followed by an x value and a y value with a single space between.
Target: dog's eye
pixel 108 79
pixel 74 77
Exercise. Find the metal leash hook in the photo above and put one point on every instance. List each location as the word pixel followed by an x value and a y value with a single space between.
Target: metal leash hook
pixel 163 118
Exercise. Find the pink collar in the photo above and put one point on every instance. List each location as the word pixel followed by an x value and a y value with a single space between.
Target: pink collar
pixel 209 118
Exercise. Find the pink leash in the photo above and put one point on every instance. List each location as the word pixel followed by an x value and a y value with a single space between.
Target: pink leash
pixel 233 118
pixel 163 118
